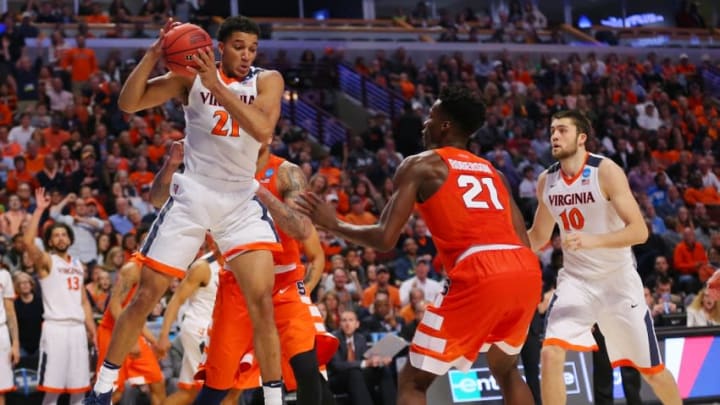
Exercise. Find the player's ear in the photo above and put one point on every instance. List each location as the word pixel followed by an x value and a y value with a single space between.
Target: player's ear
pixel 221 47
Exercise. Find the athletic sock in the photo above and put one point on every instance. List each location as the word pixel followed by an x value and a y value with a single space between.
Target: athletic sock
pixel 272 392
pixel 106 378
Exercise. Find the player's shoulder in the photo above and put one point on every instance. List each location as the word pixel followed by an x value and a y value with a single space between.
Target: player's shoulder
pixel 267 75
pixel 420 161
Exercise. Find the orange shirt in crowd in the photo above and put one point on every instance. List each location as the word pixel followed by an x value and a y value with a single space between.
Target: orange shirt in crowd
pixel 81 62
pixel 365 218
pixel 686 259
pixel 156 153
pixel 666 158
pixel 140 179
pixel 35 165
pixel 54 139
pixel 14 178
pixel 368 296
pixel 705 195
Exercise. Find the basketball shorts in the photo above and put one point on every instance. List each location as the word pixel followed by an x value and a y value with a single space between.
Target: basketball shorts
pixel 7 381
pixel 229 356
pixel 135 370
pixel 490 298
pixel 237 221
pixel 617 304
pixel 193 339
pixel 64 365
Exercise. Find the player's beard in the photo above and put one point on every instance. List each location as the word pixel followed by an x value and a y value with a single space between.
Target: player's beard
pixel 61 249
pixel 564 153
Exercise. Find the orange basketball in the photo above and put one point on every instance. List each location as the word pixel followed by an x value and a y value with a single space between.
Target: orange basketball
pixel 180 45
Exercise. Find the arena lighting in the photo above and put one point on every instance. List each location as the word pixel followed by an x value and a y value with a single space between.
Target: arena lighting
pixel 634 20
pixel 584 22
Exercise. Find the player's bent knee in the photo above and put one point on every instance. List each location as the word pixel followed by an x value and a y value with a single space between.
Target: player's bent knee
pixel 415 378
pixel 552 355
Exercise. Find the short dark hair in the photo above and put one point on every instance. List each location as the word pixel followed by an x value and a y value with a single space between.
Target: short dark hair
pixel 51 228
pixel 463 107
pixel 580 120
pixel 237 23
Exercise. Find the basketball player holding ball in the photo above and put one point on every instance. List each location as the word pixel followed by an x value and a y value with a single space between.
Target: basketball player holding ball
pixel 231 108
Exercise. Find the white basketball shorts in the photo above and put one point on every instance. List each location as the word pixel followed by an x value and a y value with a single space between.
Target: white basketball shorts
pixel 617 304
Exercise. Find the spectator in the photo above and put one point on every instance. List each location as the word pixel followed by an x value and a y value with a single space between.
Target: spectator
pixel 696 192
pixel 383 317
pixel 431 288
pixel 84 226
pixel 21 133
pixel 688 258
pixel 13 217
pixel 358 215
pixel 383 285
pixel 703 311
pixel 29 310
pixel 81 63
pixel 350 372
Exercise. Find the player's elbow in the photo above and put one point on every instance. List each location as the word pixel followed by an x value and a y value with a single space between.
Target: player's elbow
pixel 127 107
pixel 642 234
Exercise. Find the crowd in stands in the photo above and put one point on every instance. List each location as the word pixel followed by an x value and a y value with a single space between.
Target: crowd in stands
pixel 60 128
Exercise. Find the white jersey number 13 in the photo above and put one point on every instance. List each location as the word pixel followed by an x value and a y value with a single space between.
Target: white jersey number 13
pixel 476 187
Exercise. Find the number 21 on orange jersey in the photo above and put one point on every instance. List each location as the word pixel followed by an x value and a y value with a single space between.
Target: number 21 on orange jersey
pixel 222 118
pixel 477 185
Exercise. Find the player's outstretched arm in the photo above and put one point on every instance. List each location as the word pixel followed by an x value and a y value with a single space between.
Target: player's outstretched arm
pixel 40 258
pixel 316 260
pixel 160 188
pixel 383 235
pixel 543 223
pixel 140 92
pixel 196 277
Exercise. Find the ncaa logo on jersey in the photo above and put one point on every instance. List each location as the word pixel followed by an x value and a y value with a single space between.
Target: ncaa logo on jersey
pixel 268 174
pixel 585 176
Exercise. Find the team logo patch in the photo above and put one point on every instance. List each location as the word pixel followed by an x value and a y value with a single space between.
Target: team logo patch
pixel 301 287
pixel 269 172
pixel 585 176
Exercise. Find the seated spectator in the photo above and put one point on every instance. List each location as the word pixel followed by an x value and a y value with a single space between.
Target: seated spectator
pixel 703 311
pixel 661 268
pixel 350 372
pixel 664 301
pixel 383 316
pixel 430 287
pixel 407 312
pixel 358 215
pixel 403 266
pixel 688 258
pixel 383 285
pixel 699 193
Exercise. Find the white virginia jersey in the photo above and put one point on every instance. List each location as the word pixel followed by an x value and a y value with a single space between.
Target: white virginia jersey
pixel 7 291
pixel 62 290
pixel 578 204
pixel 199 307
pixel 215 144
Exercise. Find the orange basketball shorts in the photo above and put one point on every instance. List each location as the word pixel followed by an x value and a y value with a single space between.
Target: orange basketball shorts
pixel 490 298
